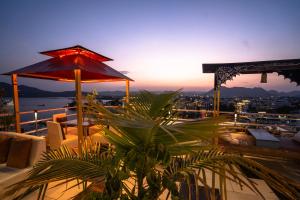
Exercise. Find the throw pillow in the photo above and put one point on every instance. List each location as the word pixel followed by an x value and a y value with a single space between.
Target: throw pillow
pixel 19 153
pixel 4 148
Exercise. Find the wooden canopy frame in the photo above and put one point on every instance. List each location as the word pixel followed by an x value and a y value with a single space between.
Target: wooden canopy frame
pixel 223 72
pixel 76 64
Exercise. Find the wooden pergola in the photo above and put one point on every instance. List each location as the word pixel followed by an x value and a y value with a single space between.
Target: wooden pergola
pixel 223 72
pixel 73 64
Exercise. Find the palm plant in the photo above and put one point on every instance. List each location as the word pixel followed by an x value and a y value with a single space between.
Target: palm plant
pixel 151 156
pixel 6 114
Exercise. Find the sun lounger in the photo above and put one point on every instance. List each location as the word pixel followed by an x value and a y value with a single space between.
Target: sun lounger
pixel 263 138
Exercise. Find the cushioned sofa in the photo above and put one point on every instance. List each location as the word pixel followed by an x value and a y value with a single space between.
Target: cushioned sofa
pixel 297 137
pixel 11 175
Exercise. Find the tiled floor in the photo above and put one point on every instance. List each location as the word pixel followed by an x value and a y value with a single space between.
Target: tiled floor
pixel 58 193
pixel 234 192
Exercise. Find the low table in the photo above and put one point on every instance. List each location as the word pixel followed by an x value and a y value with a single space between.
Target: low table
pixel 263 138
pixel 85 124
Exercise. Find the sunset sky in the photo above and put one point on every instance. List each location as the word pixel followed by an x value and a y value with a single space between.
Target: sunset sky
pixel 162 44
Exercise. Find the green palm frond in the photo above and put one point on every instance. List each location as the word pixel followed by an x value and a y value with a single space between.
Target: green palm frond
pixel 155 124
pixel 65 165
pixel 227 166
pixel 150 153
pixel 156 106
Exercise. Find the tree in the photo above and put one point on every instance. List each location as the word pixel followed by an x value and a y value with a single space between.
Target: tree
pixel 6 114
pixel 150 155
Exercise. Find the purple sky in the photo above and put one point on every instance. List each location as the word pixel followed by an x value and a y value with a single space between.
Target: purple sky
pixel 161 43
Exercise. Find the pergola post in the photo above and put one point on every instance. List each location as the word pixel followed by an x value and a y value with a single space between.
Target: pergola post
pixel 127 91
pixel 218 100
pixel 215 96
pixel 14 81
pixel 216 105
pixel 77 73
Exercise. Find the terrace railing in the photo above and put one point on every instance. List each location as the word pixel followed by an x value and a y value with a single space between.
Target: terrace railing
pixel 37 118
pixel 275 119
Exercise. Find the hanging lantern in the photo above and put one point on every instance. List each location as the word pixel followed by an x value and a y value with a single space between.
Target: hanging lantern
pixel 264 78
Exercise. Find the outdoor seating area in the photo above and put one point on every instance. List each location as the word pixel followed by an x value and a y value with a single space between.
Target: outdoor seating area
pixel 249 135
pixel 264 138
pixel 83 139
pixel 18 153
pixel 61 118
pixel 57 138
pixel 63 132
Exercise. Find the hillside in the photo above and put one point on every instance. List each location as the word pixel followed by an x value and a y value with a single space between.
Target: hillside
pixel 252 92
pixel 26 91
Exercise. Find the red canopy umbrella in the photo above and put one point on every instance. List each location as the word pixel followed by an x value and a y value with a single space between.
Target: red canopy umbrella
pixel 61 67
pixel 75 63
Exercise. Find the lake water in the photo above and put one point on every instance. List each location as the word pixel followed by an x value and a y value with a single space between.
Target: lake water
pixel 28 104
pixel 31 104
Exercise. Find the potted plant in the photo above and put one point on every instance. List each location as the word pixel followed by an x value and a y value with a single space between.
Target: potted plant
pixel 6 114
pixel 151 156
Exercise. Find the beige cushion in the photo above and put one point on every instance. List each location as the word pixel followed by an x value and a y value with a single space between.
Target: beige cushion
pixel 297 137
pixel 7 173
pixel 54 135
pixel 55 138
pixel 9 176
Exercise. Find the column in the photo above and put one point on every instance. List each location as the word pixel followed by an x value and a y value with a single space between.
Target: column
pixel 127 91
pixel 14 81
pixel 215 96
pixel 218 100
pixel 77 73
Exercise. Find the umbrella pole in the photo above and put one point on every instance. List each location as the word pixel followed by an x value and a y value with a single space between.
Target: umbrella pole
pixel 127 91
pixel 79 109
pixel 14 81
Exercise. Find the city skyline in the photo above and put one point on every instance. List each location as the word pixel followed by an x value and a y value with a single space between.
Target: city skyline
pixel 161 44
